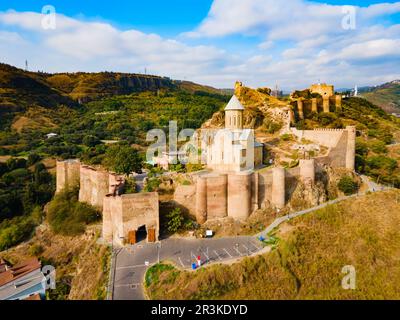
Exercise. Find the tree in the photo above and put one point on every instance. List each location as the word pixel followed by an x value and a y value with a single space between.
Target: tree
pixel 33 158
pixel 175 220
pixel 347 185
pixel 91 141
pixel 123 160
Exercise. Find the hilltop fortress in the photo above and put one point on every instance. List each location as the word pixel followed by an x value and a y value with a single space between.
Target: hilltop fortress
pixel 235 182
pixel 237 191
pixel 318 98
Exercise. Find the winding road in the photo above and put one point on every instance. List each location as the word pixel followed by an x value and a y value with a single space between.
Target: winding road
pixel 129 264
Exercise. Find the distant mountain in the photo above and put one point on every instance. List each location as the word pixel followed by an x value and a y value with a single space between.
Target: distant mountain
pixel 20 89
pixel 386 96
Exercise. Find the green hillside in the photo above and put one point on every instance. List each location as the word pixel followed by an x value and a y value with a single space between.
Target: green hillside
pixel 20 89
pixel 386 96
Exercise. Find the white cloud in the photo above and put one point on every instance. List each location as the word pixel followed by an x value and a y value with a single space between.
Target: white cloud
pixel 299 42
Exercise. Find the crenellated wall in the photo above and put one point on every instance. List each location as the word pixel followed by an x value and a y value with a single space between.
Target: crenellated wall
pixel 238 195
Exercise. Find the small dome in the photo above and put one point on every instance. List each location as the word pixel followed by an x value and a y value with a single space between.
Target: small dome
pixel 234 104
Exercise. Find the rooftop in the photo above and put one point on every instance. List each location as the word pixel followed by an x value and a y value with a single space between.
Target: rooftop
pixel 19 270
pixel 234 104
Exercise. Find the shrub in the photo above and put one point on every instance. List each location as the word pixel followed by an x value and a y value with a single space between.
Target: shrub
pixel 175 220
pixel 130 186
pixel 15 230
pixel 347 185
pixel 36 250
pixel 69 217
pixel 287 137
pixel 152 185
pixel 33 158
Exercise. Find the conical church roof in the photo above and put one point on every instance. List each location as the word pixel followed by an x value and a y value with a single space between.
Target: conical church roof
pixel 234 104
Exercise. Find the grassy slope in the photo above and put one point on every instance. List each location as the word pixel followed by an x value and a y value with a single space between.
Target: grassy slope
pixel 82 266
pixel 309 258
pixel 20 89
pixel 386 96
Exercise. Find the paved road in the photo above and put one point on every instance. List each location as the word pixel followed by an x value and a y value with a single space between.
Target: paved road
pixel 133 261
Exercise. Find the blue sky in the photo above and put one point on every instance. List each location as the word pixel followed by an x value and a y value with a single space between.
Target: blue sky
pixel 215 42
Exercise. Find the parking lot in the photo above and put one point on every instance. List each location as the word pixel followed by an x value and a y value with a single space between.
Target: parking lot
pixel 133 261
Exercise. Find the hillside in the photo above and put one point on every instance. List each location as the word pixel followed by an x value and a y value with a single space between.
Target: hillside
pixel 82 265
pixel 20 89
pixel 386 96
pixel 308 260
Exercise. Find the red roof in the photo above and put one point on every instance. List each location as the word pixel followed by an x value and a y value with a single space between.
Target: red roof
pixel 19 270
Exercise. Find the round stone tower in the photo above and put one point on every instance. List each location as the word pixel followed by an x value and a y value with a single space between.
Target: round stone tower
pixel 307 170
pixel 201 200
pixel 234 114
pixel 351 148
pixel 239 199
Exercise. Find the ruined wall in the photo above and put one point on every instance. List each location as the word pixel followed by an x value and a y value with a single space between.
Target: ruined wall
pixel 67 174
pixel 326 137
pixel 112 218
pixel 140 209
pixel 128 212
pixel 185 196
pixel 325 90
pixel 94 186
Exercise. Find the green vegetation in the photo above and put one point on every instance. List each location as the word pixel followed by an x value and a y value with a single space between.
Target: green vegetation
pixel 23 193
pixel 67 216
pixel 376 130
pixel 347 185
pixel 385 96
pixel 308 260
pixel 123 160
pixel 153 273
pixel 175 220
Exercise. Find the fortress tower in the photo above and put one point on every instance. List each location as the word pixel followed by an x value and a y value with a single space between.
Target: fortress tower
pixel 234 114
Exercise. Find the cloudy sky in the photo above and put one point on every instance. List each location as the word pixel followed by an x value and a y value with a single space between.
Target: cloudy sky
pixel 289 43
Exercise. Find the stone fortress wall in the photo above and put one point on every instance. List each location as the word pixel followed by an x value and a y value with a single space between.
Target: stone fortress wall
pixel 123 214
pixel 67 174
pixel 327 102
pixel 237 195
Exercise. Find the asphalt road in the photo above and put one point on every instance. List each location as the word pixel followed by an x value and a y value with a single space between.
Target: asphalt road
pixel 133 261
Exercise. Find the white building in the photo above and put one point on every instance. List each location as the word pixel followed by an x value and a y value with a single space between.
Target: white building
pixel 232 149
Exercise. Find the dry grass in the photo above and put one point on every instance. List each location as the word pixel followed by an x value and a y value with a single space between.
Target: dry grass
pixel 33 119
pixel 307 263
pixel 79 261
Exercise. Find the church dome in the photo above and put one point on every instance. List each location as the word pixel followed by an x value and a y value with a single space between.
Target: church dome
pixel 234 104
